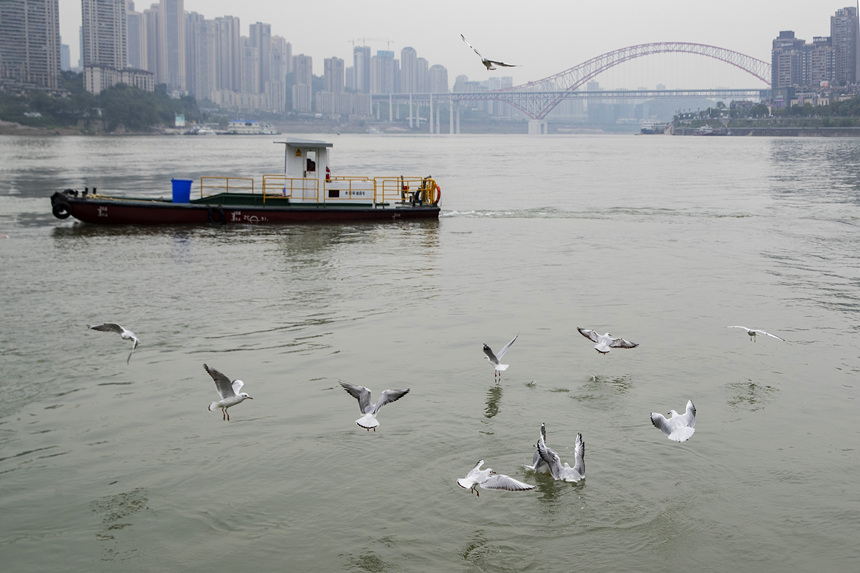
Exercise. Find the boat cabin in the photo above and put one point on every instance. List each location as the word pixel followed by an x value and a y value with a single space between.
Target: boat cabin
pixel 307 173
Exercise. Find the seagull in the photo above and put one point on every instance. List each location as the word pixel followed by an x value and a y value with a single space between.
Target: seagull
pixel 119 329
pixel 679 427
pixel 488 63
pixel 605 342
pixel 488 479
pixel 229 391
pixel 537 462
pixel 564 472
pixel 369 410
pixel 494 359
pixel 753 332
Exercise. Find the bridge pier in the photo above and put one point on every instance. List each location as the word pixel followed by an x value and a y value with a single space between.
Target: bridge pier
pixel 537 127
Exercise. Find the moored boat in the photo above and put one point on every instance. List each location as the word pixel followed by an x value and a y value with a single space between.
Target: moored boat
pixel 306 192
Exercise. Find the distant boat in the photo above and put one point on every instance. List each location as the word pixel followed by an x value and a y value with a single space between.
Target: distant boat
pixel 249 127
pixel 653 128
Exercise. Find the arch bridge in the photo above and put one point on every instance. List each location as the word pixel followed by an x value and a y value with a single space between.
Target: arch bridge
pixel 536 99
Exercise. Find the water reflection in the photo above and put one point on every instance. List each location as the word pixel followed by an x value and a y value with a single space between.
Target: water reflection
pixel 494 396
pixel 116 511
pixel 749 395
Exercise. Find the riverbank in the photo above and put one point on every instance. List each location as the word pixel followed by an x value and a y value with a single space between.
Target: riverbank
pixel 775 131
pixel 12 128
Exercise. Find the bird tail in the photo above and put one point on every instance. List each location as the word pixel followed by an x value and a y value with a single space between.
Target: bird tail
pixel 212 406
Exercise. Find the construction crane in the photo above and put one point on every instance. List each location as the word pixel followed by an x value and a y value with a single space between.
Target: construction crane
pixel 363 41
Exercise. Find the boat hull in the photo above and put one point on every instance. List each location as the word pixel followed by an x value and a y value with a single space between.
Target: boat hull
pixel 114 211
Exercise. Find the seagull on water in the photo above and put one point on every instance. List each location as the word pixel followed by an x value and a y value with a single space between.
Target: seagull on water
pixel 753 333
pixel 538 465
pixel 122 331
pixel 489 64
pixel 679 427
pixel 488 479
pixel 362 394
pixel 494 358
pixel 605 342
pixel 561 471
pixel 229 391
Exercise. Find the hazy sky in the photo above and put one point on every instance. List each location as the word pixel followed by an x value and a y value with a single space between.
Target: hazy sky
pixel 543 36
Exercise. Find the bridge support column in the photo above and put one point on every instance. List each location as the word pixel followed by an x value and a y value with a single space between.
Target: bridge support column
pixel 537 127
pixel 431 113
pixel 451 116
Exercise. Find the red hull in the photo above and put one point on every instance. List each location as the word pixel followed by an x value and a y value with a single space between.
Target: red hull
pixel 145 212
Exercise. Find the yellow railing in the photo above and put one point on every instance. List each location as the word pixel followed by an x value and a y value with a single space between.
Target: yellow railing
pixel 376 190
pixel 225 184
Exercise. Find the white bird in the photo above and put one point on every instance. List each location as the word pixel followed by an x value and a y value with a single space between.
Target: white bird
pixel 489 64
pixel 370 411
pixel 229 391
pixel 538 465
pixel 679 427
pixel 488 479
pixel 121 330
pixel 494 358
pixel 605 342
pixel 753 332
pixel 563 471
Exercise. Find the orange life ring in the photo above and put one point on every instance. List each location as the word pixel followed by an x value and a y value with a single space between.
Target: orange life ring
pixel 438 194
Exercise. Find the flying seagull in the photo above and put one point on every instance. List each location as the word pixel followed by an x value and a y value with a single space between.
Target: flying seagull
pixel 490 64
pixel 229 391
pixel 362 394
pixel 494 358
pixel 537 462
pixel 564 472
pixel 679 427
pixel 753 333
pixel 119 329
pixel 605 342
pixel 488 479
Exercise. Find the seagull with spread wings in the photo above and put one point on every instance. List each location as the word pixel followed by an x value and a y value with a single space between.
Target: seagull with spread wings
pixel 121 330
pixel 561 471
pixel 678 427
pixel 370 411
pixel 753 332
pixel 605 342
pixel 230 392
pixel 494 358
pixel 489 64
pixel 488 479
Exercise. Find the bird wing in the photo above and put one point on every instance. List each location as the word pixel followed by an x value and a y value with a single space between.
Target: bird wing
pixel 589 334
pixel 505 347
pixel 237 386
pixel 222 383
pixel 550 457
pixel 389 396
pixel 660 422
pixel 579 456
pixel 690 414
pixel 467 481
pixel 621 343
pixel 471 46
pixel 108 327
pixel 499 481
pixel 489 352
pixel 744 327
pixel 361 394
pixel 769 334
pixel 503 64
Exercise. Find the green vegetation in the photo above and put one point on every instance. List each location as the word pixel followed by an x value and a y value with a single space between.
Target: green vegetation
pixel 838 114
pixel 119 108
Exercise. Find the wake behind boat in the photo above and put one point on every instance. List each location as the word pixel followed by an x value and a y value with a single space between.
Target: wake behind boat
pixel 305 193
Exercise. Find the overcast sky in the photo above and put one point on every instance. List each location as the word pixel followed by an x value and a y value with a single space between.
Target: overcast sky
pixel 543 37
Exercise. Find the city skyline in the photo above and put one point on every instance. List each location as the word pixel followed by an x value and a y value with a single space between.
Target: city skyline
pixel 560 37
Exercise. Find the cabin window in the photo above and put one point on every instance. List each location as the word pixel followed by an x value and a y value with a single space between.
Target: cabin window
pixel 311 162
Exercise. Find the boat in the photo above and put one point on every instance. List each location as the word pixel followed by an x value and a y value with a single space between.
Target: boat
pixel 249 127
pixel 306 192
pixel 652 128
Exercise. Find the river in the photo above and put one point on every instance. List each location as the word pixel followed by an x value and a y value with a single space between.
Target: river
pixel 663 240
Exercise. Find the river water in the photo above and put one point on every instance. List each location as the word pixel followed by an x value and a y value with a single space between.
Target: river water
pixel 663 240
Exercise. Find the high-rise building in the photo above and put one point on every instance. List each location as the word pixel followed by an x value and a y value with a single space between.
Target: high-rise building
pixel 172 38
pixel 422 75
pixel 261 39
pixel 136 37
pixel 438 79
pixel 408 70
pixel 104 33
pixel 302 91
pixel 333 75
pixel 361 64
pixel 154 61
pixel 228 54
pixel 843 37
pixel 30 43
pixel 383 70
pixel 787 60
pixel 200 55
pixel 276 86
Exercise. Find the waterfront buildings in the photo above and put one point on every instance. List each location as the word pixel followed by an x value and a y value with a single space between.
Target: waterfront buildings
pixel 30 43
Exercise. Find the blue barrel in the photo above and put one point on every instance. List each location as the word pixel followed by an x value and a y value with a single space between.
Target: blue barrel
pixel 182 190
